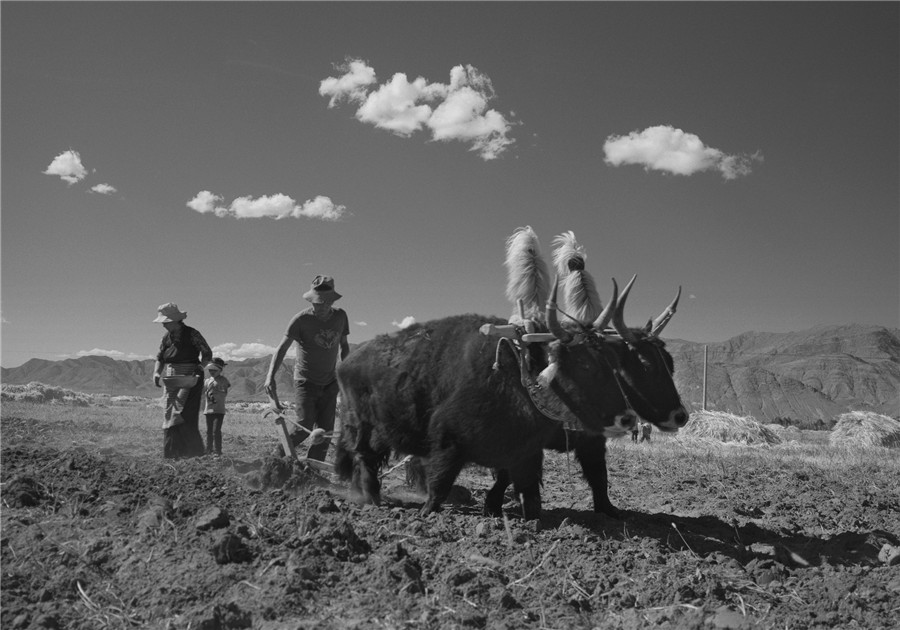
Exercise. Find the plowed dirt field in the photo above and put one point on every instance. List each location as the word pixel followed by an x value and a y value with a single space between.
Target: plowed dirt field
pixel 100 534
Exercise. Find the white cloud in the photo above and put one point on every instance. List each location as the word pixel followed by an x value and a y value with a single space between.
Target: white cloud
pixel 455 111
pixel 393 106
pixel 361 323
pixel 276 207
pixel 103 189
pixel 113 354
pixel 234 352
pixel 67 165
pixel 351 85
pixel 406 322
pixel 665 148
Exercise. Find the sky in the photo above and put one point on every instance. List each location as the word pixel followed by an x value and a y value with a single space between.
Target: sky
pixel 220 155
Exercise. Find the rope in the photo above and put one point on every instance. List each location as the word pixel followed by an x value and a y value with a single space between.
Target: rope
pixel 565 416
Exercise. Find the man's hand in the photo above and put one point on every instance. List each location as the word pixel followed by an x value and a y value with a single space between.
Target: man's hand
pixel 272 393
pixel 156 380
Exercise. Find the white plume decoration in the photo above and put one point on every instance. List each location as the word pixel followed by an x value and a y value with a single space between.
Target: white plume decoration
pixel 528 278
pixel 581 299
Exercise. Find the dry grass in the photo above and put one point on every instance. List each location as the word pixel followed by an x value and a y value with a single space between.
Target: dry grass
pixel 718 426
pixel 865 429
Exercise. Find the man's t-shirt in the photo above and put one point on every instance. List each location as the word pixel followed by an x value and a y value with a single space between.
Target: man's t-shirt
pixel 318 344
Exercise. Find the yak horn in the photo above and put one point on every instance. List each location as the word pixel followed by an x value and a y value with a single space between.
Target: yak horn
pixel 604 317
pixel 618 319
pixel 552 319
pixel 660 322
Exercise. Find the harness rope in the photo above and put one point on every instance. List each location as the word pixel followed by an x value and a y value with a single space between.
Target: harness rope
pixel 548 405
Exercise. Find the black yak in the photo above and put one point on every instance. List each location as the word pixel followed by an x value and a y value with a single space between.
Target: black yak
pixel 449 395
pixel 433 391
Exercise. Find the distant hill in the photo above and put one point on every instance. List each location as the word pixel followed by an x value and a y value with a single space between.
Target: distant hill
pixel 103 375
pixel 815 374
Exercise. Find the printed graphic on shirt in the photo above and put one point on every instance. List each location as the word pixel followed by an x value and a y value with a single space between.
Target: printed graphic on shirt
pixel 327 338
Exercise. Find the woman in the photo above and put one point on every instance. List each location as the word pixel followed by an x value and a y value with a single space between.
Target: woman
pixel 182 352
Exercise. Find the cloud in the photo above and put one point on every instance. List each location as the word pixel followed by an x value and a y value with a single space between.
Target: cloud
pixel 664 148
pixel 234 352
pixel 406 322
pixel 361 323
pixel 454 111
pixel 276 207
pixel 113 354
pixel 351 86
pixel 103 189
pixel 394 107
pixel 67 165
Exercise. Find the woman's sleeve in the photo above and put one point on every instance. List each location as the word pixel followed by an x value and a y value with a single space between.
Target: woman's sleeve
pixel 201 346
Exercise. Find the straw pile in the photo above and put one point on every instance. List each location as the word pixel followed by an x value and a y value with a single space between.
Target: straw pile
pixel 719 426
pixel 865 429
pixel 39 393
pixel 780 429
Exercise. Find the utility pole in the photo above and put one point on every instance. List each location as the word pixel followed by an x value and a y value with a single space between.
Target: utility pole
pixel 705 359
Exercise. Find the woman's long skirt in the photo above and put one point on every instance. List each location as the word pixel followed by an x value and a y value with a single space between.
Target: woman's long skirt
pixel 184 440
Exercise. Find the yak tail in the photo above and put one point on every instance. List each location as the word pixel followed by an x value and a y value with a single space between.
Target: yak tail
pixel 582 302
pixel 528 278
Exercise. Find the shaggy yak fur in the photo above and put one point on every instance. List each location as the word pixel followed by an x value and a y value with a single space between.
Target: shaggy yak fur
pixel 431 391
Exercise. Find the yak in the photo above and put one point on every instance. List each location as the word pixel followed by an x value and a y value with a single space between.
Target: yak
pixel 645 375
pixel 449 393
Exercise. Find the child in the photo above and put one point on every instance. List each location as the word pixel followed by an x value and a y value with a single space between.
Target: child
pixel 216 390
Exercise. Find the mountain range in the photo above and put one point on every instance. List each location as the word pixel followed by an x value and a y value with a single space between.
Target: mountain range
pixel 809 377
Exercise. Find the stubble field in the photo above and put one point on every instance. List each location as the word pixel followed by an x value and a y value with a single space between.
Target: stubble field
pixel 99 532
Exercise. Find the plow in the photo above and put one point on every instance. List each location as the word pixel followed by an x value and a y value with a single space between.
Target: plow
pixel 316 436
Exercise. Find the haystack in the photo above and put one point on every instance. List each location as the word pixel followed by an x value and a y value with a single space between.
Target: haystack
pixel 781 429
pixel 36 392
pixel 865 429
pixel 725 427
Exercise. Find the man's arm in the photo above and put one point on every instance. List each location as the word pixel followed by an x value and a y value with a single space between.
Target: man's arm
pixel 345 347
pixel 274 365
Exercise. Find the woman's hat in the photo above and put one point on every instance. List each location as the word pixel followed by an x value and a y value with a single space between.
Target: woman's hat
pixel 216 364
pixel 322 291
pixel 169 313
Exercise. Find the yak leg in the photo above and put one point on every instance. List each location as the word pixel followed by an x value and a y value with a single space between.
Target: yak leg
pixel 365 482
pixel 526 477
pixel 417 475
pixel 365 479
pixel 591 453
pixel 493 500
pixel 443 468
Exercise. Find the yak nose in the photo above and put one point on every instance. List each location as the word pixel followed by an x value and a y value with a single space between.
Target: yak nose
pixel 679 417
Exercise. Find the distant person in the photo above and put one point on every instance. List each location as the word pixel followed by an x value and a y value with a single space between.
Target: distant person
pixel 646 430
pixel 182 352
pixel 216 388
pixel 320 333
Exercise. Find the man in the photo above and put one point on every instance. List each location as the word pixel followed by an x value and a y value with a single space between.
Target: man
pixel 320 332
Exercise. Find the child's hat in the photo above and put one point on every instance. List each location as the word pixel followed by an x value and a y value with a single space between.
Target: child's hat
pixel 216 364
